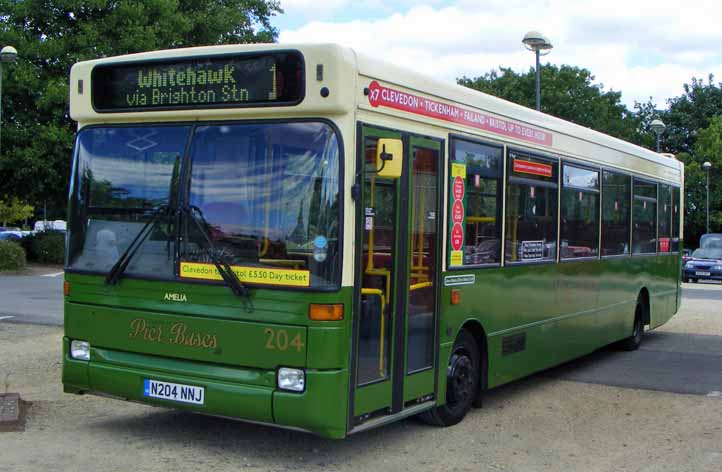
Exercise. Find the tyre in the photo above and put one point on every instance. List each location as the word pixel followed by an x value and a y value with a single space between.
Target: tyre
pixel 685 279
pixel 633 342
pixel 694 281
pixel 462 383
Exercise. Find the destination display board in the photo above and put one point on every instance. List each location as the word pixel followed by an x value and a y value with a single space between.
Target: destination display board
pixel 200 82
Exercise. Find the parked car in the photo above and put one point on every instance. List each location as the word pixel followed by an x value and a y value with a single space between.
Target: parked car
pixel 47 225
pixel 705 264
pixel 9 236
pixel 710 240
pixel 13 234
pixel 686 255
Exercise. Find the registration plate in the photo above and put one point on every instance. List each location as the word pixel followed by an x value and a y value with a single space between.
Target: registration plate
pixel 702 273
pixel 173 391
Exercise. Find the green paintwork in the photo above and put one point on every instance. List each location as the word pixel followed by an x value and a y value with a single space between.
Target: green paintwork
pixel 567 309
pixel 238 373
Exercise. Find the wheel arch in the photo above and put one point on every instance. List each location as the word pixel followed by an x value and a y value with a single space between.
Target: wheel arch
pixel 644 298
pixel 474 327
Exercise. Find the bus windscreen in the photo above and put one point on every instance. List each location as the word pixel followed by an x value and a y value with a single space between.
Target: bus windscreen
pixel 200 82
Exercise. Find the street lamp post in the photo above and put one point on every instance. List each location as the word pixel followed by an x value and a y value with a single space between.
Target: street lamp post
pixel 7 54
pixel 658 127
pixel 541 46
pixel 707 166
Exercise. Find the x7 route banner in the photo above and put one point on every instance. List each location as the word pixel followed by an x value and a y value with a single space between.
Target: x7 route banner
pixel 379 95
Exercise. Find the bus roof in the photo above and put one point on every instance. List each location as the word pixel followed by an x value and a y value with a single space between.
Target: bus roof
pixel 345 66
pixel 378 69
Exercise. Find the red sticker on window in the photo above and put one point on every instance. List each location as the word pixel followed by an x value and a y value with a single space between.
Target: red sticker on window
pixel 457 212
pixel 534 168
pixel 457 237
pixel 458 188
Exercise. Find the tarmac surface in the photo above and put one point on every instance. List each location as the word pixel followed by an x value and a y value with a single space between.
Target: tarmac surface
pixel 655 409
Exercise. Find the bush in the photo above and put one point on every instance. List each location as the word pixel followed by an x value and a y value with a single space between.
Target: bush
pixel 12 256
pixel 47 247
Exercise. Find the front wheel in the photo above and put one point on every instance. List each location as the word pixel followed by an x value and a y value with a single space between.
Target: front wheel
pixel 462 383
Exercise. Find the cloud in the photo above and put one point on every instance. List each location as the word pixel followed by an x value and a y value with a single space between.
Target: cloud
pixel 641 48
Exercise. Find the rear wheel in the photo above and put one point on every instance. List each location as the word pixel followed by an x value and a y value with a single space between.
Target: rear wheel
pixel 633 342
pixel 462 383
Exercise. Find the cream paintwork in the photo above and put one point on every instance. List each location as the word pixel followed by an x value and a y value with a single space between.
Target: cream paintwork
pixel 346 74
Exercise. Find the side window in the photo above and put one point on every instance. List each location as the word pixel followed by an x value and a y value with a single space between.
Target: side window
pixel 676 207
pixel 664 218
pixel 480 209
pixel 644 218
pixel 616 192
pixel 531 208
pixel 579 213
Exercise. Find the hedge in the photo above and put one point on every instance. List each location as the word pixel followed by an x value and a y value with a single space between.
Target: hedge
pixel 12 256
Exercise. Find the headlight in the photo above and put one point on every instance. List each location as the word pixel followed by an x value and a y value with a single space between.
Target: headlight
pixel 689 265
pixel 717 267
pixel 80 350
pixel 291 379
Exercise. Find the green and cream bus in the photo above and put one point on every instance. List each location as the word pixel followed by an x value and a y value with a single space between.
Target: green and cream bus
pixel 307 237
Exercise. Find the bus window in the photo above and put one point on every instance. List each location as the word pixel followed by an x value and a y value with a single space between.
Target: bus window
pixel 378 271
pixel 531 209
pixel 675 219
pixel 580 213
pixel 664 218
pixel 616 189
pixel 644 218
pixel 124 174
pixel 269 194
pixel 482 244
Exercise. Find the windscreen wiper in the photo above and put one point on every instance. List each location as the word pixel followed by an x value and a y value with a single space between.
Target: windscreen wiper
pixel 224 269
pixel 119 267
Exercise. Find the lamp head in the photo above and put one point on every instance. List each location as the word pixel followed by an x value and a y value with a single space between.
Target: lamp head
pixel 657 126
pixel 707 166
pixel 8 54
pixel 535 41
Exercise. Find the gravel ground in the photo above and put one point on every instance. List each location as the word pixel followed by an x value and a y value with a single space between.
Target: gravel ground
pixel 537 424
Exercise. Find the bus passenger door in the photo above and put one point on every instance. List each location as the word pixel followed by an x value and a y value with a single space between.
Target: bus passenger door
pixel 375 322
pixel 422 270
pixel 397 270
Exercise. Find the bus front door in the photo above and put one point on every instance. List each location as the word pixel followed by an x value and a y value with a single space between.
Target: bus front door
pixel 398 269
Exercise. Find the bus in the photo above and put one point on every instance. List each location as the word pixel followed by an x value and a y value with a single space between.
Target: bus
pixel 308 237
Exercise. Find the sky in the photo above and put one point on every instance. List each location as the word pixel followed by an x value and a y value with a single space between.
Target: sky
pixel 643 48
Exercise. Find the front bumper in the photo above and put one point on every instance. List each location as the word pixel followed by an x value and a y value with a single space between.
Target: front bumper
pixel 242 393
pixel 700 273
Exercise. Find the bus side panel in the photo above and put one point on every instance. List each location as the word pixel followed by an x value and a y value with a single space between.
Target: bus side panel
pixel 664 297
pixel 538 316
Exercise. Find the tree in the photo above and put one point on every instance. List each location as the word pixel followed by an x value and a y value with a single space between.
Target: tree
pixel 14 210
pixel 707 147
pixel 51 35
pixel 567 92
pixel 691 112
pixel 694 134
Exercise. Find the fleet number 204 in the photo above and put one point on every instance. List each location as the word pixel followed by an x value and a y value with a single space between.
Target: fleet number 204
pixel 280 340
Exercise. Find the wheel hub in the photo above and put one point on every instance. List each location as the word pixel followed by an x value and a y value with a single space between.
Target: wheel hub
pixel 460 379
